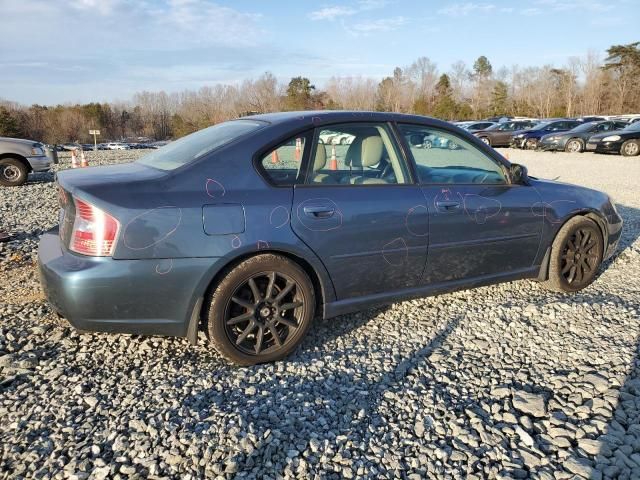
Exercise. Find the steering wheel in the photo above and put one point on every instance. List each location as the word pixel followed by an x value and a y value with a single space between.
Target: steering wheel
pixel 482 179
pixel 386 171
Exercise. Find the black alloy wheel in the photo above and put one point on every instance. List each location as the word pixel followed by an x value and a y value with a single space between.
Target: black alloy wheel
pixel 263 313
pixel 576 255
pixel 261 310
pixel 581 255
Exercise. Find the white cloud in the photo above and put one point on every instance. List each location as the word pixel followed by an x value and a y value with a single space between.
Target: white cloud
pixel 380 25
pixel 577 5
pixel 464 9
pixel 338 11
pixel 331 13
pixel 103 7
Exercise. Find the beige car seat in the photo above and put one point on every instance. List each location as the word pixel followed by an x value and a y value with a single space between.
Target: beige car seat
pixel 319 162
pixel 364 152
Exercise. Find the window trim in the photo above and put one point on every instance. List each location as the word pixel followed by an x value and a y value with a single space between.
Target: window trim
pixel 393 137
pixel 272 145
pixel 504 166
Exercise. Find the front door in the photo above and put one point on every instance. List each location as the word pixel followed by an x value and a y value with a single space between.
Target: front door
pixel 479 223
pixel 360 212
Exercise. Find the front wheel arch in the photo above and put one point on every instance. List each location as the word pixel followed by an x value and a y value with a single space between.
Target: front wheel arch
pixel 20 158
pixel 591 215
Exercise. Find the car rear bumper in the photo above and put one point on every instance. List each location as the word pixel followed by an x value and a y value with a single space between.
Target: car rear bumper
pixel 147 297
pixel 40 163
pixel 604 147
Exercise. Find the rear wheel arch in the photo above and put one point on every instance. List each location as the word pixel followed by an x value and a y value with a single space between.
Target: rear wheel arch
pixel 320 289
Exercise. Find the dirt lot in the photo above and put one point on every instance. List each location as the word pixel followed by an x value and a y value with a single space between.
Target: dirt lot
pixel 508 381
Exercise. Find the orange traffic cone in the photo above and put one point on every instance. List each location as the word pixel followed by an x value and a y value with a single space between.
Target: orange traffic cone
pixel 333 164
pixel 274 157
pixel 74 159
pixel 83 159
pixel 298 148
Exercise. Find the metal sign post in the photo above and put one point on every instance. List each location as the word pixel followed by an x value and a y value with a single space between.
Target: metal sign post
pixel 95 142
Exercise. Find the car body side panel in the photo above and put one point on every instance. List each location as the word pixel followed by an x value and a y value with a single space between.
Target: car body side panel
pixel 375 240
pixel 490 229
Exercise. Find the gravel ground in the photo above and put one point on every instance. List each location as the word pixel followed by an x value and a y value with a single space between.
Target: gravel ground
pixel 508 381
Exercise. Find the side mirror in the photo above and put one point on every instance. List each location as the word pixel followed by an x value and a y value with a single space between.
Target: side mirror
pixel 518 174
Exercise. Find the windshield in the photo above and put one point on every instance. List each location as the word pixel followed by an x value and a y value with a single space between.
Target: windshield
pixel 189 148
pixel 585 127
pixel 634 127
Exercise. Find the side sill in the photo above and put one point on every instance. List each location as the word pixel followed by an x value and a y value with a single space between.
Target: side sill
pixel 350 305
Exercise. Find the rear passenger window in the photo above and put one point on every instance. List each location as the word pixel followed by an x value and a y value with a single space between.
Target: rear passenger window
pixel 356 154
pixel 281 165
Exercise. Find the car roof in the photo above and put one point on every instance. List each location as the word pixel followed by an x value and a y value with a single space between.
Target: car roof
pixel 324 117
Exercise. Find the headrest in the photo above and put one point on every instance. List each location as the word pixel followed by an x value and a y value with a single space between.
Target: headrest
pixel 365 152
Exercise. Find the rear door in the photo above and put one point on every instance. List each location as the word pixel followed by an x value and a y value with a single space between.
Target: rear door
pixel 360 211
pixel 480 224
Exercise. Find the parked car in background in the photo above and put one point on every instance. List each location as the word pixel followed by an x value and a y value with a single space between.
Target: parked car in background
pixel 158 144
pixel 18 158
pixel 500 134
pixel 591 119
pixel 71 146
pixel 529 139
pixel 576 139
pixel 209 232
pixel 117 146
pixel 477 126
pixel 625 141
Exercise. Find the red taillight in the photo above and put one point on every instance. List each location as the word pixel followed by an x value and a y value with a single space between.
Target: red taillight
pixel 94 231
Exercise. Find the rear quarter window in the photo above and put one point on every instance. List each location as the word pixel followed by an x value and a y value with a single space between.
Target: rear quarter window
pixel 188 149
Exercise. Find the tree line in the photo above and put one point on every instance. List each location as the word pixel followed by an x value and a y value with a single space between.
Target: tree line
pixel 583 86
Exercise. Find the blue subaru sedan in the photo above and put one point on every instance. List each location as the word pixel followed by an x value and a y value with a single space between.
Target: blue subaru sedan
pixel 250 228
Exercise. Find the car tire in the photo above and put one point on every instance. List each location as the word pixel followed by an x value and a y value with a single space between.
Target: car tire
pixel 427 144
pixel 576 255
pixel 530 144
pixel 255 316
pixel 574 145
pixel 486 140
pixel 630 148
pixel 13 172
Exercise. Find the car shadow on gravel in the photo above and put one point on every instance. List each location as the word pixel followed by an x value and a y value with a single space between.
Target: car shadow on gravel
pixel 318 410
pixel 43 177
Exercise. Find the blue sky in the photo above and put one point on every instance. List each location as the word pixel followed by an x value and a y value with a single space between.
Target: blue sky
pixel 56 51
